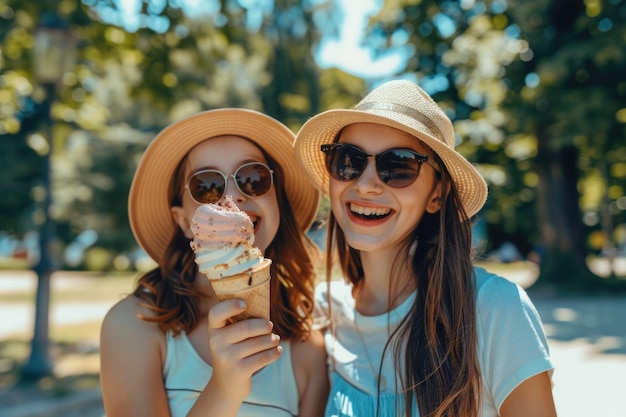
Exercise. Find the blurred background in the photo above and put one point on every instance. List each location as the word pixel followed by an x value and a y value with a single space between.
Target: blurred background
pixel 536 90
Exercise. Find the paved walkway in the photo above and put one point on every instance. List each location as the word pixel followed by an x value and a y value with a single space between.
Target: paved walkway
pixel 587 339
pixel 22 313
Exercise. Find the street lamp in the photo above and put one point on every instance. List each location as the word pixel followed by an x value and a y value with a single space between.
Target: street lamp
pixel 54 54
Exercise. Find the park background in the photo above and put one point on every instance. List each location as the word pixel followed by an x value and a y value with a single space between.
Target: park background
pixel 535 88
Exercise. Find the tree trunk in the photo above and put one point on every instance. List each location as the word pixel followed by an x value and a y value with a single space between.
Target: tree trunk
pixel 563 263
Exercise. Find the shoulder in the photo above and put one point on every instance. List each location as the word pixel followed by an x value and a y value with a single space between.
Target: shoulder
pixel 492 289
pixel 313 347
pixel 132 353
pixel 127 312
pixel 504 307
pixel 123 324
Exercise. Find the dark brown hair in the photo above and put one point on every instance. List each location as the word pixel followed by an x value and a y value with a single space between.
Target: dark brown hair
pixel 438 337
pixel 168 290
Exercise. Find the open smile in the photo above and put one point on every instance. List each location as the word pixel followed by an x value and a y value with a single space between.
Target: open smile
pixel 369 213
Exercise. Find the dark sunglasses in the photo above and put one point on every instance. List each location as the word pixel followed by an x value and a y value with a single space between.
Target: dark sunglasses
pixel 396 167
pixel 254 179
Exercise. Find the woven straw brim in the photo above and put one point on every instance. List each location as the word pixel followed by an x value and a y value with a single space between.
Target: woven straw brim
pixel 148 205
pixel 324 128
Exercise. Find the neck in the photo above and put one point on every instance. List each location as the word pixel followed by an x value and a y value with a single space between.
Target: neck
pixel 382 288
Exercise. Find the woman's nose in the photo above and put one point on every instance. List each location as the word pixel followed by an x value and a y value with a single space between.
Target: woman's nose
pixel 368 181
pixel 232 189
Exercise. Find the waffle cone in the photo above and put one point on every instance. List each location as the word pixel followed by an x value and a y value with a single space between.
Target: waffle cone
pixel 252 286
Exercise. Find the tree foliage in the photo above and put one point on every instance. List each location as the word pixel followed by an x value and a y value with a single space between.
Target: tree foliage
pixel 139 70
pixel 536 90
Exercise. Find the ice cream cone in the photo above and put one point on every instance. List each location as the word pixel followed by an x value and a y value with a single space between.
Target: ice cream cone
pixel 252 286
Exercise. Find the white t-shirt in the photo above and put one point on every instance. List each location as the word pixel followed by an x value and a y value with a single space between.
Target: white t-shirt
pixel 512 347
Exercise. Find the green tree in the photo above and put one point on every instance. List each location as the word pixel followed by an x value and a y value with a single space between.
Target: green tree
pixel 126 86
pixel 138 71
pixel 573 111
pixel 534 89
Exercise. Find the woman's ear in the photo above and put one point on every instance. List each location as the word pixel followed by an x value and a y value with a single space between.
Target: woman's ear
pixel 180 217
pixel 433 205
pixel 434 199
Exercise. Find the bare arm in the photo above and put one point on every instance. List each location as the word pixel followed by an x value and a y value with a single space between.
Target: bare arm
pixel 132 352
pixel 130 364
pixel 532 397
pixel 309 364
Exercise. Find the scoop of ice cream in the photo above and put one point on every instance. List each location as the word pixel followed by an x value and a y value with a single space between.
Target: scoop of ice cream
pixel 223 240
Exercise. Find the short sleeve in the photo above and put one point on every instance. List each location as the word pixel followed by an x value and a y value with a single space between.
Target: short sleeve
pixel 512 345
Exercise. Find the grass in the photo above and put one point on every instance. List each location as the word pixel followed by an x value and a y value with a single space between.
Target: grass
pixel 73 347
pixel 13 264
pixel 76 287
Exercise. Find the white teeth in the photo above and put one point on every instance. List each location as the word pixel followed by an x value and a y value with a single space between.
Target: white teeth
pixel 369 211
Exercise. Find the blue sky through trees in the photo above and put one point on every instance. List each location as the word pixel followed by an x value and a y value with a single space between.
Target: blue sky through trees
pixel 345 50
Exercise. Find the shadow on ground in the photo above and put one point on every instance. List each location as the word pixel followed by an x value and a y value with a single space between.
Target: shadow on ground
pixel 598 320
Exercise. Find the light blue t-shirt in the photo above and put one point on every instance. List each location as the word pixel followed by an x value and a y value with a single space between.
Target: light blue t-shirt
pixel 512 347
pixel 185 374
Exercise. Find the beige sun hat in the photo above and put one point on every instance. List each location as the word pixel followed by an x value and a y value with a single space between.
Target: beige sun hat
pixel 402 105
pixel 148 205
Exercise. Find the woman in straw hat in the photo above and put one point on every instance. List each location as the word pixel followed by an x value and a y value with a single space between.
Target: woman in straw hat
pixel 167 350
pixel 415 329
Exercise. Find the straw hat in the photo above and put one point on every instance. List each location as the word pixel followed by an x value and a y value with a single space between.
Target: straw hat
pixel 402 105
pixel 148 205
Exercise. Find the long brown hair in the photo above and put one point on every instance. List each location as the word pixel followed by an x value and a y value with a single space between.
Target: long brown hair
pixel 168 290
pixel 438 337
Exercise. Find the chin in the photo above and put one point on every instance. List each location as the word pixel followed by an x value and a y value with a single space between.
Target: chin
pixel 364 243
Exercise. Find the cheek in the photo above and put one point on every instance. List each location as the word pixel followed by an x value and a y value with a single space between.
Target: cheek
pixel 335 189
pixel 189 207
pixel 271 220
pixel 271 225
pixel 413 204
pixel 183 216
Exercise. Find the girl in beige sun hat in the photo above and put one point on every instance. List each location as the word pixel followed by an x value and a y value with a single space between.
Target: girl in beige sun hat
pixel 414 329
pixel 401 105
pixel 169 349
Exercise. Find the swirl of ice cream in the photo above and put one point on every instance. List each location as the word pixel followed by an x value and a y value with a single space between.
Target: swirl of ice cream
pixel 223 240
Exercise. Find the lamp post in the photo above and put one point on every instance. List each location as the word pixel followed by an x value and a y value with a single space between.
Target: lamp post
pixel 54 54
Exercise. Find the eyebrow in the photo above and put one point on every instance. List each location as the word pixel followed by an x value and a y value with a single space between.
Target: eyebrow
pixel 423 148
pixel 239 163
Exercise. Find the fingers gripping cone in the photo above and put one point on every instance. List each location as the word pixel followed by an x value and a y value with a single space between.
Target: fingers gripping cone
pixel 252 286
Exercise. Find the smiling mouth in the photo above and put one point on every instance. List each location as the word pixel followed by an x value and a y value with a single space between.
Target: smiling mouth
pixel 372 213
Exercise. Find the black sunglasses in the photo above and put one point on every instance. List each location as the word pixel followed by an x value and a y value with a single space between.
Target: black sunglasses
pixel 396 167
pixel 254 179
